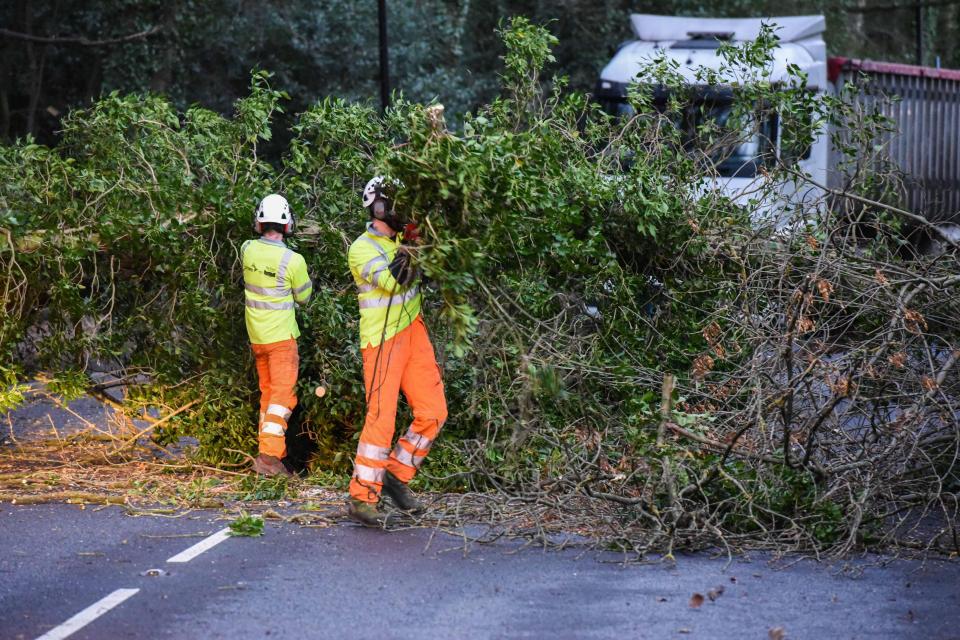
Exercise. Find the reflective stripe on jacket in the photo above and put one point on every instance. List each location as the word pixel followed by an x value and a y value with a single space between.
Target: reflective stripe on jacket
pixel 273 278
pixel 386 307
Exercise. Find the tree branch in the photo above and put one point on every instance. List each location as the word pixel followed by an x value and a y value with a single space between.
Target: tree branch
pixel 919 219
pixel 80 40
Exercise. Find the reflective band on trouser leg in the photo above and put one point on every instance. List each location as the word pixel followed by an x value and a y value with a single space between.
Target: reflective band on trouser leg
pixel 368 474
pixel 407 458
pixel 279 410
pixel 372 451
pixel 367 482
pixel 368 469
pixel 412 448
pixel 418 440
pixel 272 440
pixel 273 428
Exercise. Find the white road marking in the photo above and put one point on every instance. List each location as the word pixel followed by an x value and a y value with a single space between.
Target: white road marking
pixel 200 547
pixel 107 603
pixel 88 615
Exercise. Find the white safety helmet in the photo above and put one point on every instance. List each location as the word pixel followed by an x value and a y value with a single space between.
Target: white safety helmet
pixel 379 187
pixel 274 208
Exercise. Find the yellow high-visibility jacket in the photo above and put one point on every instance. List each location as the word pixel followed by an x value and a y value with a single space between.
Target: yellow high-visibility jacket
pixel 273 278
pixel 386 306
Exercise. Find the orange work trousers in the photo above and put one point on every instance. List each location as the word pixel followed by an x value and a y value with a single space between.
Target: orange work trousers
pixel 277 365
pixel 405 363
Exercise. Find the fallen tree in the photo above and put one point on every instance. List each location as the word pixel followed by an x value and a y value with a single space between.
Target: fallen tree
pixel 627 354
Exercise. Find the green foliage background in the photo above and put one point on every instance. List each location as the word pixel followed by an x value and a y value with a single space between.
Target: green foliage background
pixel 552 234
pixel 123 245
pixel 203 51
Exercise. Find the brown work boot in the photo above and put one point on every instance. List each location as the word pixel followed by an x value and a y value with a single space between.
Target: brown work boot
pixel 400 493
pixel 366 513
pixel 270 466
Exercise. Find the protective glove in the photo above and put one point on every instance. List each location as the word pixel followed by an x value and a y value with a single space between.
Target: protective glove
pixel 402 269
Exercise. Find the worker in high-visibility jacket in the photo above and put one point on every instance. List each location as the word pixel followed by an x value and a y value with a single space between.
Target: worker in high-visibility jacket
pixel 274 278
pixel 397 356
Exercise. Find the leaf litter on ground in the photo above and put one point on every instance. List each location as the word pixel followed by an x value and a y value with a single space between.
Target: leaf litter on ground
pixel 247 526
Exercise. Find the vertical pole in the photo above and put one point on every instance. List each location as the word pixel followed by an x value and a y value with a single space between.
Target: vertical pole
pixel 384 58
pixel 919 24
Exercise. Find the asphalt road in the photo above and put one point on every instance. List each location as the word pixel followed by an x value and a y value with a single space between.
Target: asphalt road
pixel 348 582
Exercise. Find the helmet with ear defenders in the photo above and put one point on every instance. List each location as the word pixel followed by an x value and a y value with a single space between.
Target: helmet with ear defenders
pixel 274 208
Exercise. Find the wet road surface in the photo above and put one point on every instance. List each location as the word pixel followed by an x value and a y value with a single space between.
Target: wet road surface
pixel 58 561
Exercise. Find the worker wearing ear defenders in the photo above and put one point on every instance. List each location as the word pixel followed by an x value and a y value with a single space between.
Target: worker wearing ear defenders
pixel 397 356
pixel 274 279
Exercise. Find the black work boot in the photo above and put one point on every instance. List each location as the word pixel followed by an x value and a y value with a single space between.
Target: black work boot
pixel 366 513
pixel 401 494
pixel 270 466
